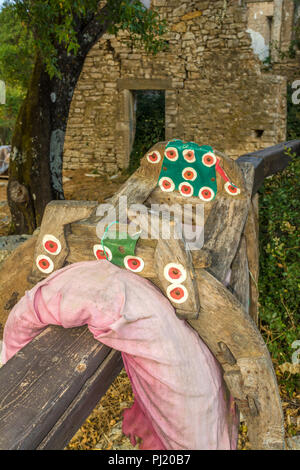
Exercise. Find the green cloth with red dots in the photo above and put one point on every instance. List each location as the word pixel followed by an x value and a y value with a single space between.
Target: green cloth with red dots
pixel 192 164
pixel 121 245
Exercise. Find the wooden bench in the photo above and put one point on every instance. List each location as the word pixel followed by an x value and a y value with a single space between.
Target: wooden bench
pixel 50 387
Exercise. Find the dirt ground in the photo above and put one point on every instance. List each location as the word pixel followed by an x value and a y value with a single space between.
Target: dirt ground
pixel 103 428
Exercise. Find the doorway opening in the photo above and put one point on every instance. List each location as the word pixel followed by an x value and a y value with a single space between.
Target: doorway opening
pixel 150 123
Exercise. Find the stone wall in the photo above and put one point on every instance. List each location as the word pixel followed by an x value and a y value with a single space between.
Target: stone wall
pixel 260 22
pixel 215 90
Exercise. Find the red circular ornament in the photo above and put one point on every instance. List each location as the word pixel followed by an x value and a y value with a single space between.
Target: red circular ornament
pixel 51 244
pixel 134 263
pixel 175 273
pixel 166 184
pixel 100 253
pixel 189 174
pixel 189 155
pixel 186 189
pixel 44 264
pixel 209 159
pixel 172 154
pixel 206 194
pixel 177 293
pixel 231 189
pixel 154 157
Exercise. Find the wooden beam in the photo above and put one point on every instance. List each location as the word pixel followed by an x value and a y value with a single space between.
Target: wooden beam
pixel 144 84
pixel 46 387
pixel 84 403
pixel 269 161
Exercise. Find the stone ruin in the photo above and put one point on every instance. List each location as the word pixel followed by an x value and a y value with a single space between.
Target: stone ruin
pixel 216 86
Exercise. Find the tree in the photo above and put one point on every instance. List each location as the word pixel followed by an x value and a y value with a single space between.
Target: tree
pixel 64 31
pixel 16 61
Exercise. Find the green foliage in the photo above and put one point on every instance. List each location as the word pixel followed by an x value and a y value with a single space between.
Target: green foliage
pixel 279 262
pixel 55 23
pixel 9 112
pixel 279 255
pixel 293 116
pixel 16 50
pixel 16 62
pixel 150 125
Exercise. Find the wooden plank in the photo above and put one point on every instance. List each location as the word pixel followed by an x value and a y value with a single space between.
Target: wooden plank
pixel 252 243
pixel 269 161
pixel 224 226
pixel 40 382
pixel 174 253
pixel 84 403
pixel 57 215
pixel 239 283
pixel 13 277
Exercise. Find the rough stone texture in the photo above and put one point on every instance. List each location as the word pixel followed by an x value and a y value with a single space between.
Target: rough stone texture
pixel 271 25
pixel 10 243
pixel 216 92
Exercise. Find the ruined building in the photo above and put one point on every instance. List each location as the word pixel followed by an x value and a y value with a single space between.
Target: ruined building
pixel 218 87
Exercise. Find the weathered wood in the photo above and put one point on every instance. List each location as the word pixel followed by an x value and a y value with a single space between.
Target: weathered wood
pixel 174 251
pixel 13 277
pixel 223 228
pixel 81 249
pixel 239 283
pixel 223 323
pixel 84 403
pixel 57 215
pixel 251 379
pixel 252 242
pixel 269 161
pixel 41 381
pixel 143 181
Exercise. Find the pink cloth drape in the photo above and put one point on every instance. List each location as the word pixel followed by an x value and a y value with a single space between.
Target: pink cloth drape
pixel 180 396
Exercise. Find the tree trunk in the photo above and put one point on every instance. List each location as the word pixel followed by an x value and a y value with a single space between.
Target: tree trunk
pixel 35 173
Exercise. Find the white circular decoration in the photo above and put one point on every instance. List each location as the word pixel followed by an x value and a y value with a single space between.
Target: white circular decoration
pixel 209 159
pixel 100 254
pixel 186 189
pixel 51 244
pixel 171 153
pixel 206 194
pixel 44 264
pixel 177 293
pixel 154 157
pixel 189 174
pixel 166 184
pixel 134 263
pixel 231 189
pixel 189 155
pixel 175 273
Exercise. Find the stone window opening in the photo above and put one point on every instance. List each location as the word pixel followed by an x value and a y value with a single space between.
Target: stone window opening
pixel 147 126
pixel 259 133
pixel 270 28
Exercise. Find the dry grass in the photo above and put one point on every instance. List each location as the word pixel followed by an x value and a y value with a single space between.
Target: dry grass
pixel 103 429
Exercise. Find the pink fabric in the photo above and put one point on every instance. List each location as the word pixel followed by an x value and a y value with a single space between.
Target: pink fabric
pixel 180 398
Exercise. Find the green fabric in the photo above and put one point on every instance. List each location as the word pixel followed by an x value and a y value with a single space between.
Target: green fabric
pixel 120 245
pixel 206 176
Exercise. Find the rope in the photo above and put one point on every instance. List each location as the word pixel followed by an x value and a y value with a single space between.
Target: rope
pixel 104 236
